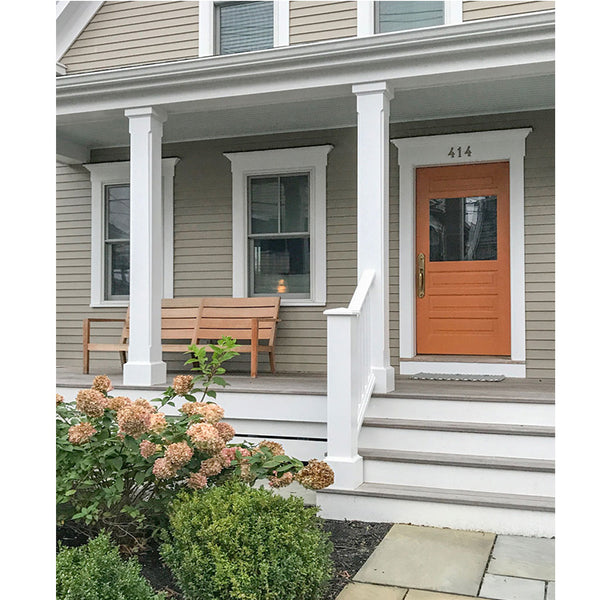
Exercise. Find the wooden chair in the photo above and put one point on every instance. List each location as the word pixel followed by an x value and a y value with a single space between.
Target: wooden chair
pixel 249 320
pixel 179 328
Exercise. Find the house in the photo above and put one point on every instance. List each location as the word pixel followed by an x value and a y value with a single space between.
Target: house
pixel 387 169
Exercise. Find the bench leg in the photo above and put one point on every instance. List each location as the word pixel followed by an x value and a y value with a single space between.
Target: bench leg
pixel 254 349
pixel 86 341
pixel 272 361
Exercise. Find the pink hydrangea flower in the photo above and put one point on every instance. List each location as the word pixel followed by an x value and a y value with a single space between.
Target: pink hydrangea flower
pixel 197 481
pixel 134 420
pixel 81 433
pixel 205 437
pixel 226 431
pixel 147 448
pixel 178 454
pixel 91 402
pixel 102 383
pixel 163 469
pixel 183 384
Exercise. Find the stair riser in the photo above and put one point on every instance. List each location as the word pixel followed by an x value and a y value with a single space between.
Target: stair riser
pixel 458 410
pixel 485 444
pixel 458 477
pixel 437 514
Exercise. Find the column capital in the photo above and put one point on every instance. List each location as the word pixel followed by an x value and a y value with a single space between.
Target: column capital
pixel 375 87
pixel 147 111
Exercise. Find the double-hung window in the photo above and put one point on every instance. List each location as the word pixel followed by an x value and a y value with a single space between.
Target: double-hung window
pixel 398 16
pixel 278 227
pixel 243 26
pixel 116 242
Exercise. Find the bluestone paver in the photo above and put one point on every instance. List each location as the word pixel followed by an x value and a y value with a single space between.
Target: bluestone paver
pixel 500 587
pixel 517 556
pixel 550 591
pixel 429 558
pixel 366 591
pixel 425 595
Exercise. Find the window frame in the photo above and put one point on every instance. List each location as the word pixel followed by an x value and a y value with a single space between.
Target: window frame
pixel 103 175
pixel 286 161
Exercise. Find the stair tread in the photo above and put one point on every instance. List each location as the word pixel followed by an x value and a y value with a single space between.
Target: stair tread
pixel 450 496
pixel 438 395
pixel 458 426
pixel 496 462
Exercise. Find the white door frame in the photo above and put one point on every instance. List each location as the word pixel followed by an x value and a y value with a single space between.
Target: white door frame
pixel 437 150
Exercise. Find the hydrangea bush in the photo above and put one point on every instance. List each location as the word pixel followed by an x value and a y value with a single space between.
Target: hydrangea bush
pixel 121 461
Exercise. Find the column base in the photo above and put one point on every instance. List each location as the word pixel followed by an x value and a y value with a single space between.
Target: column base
pixel 348 471
pixel 144 374
pixel 384 379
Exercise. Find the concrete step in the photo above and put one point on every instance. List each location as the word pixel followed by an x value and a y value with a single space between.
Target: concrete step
pixel 475 473
pixel 454 409
pixel 515 514
pixel 455 437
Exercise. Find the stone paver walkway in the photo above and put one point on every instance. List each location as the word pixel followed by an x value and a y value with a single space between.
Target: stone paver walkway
pixel 428 563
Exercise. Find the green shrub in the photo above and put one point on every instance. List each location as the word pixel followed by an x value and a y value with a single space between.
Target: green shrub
pixel 237 542
pixel 97 572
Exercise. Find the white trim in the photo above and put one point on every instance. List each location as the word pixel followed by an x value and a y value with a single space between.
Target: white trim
pixel 272 162
pixel 486 146
pixel 71 20
pixel 102 174
pixel 365 13
pixel 206 26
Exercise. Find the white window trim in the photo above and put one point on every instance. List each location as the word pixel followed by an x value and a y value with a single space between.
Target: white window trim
pixel 486 146
pixel 312 159
pixel 114 173
pixel 206 26
pixel 366 16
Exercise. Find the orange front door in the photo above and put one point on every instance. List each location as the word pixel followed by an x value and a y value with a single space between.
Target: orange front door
pixel 463 275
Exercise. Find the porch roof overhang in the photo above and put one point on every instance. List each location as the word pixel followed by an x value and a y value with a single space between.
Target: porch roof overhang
pixel 495 65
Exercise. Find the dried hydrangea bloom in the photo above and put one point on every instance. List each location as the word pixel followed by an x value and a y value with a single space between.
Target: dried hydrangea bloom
pixel 190 408
pixel 158 422
pixel 229 454
pixel 59 399
pixel 91 402
pixel 183 384
pixel 118 402
pixel 279 482
pixel 211 466
pixel 102 383
pixel 147 448
pixel 178 454
pixel 226 431
pixel 206 437
pixel 197 481
pixel 81 433
pixel 134 420
pixel 210 412
pixel 275 448
pixel 315 475
pixel 245 471
pixel 145 404
pixel 163 469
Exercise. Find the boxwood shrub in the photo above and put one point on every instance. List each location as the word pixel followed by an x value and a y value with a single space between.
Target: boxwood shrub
pixel 240 543
pixel 96 571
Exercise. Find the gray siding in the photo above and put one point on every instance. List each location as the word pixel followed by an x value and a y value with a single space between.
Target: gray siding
pixel 133 33
pixel 202 241
pixel 318 21
pixel 484 9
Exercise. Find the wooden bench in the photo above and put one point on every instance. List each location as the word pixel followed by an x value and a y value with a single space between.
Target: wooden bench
pixel 249 320
pixel 198 321
pixel 179 325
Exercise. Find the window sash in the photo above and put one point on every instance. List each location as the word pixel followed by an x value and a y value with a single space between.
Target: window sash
pixel 109 243
pixel 418 24
pixel 253 18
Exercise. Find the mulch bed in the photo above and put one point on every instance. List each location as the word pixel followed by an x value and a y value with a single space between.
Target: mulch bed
pixel 353 542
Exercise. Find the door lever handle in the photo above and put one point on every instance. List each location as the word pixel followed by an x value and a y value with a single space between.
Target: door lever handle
pixel 421 275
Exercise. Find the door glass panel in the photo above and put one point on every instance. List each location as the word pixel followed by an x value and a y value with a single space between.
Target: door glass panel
pixel 463 229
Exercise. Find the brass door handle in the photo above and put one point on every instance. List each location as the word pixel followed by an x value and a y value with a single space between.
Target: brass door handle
pixel 421 275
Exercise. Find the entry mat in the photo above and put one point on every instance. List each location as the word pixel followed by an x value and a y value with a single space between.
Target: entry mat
pixel 456 377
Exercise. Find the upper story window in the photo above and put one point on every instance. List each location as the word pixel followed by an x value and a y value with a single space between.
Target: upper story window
pixel 243 26
pixel 398 16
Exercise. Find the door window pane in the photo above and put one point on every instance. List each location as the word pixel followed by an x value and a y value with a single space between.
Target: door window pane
pixel 463 229
pixel 398 16
pixel 244 26
pixel 281 267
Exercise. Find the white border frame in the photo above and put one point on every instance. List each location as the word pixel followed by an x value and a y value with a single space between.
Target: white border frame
pixel 111 173
pixel 486 146
pixel 312 159
pixel 206 26
pixel 453 12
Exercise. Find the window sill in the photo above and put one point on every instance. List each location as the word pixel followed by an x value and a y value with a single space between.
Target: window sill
pixel 110 304
pixel 301 303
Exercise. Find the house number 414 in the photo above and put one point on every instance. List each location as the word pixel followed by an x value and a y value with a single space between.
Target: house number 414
pixel 459 151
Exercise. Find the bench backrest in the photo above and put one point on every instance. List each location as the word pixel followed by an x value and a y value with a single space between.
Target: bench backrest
pixel 232 317
pixel 179 319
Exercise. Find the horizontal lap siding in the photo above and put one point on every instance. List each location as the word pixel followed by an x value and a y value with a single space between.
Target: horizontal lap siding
pixel 133 33
pixel 484 9
pixel 319 21
pixel 539 226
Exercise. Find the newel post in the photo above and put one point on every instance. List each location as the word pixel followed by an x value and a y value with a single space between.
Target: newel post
pixel 343 397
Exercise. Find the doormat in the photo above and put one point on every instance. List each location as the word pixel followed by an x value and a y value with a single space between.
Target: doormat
pixel 455 377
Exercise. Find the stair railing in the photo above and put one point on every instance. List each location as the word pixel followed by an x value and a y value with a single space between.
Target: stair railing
pixel 350 381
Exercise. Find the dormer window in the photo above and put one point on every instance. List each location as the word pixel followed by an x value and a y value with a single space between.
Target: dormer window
pixel 243 26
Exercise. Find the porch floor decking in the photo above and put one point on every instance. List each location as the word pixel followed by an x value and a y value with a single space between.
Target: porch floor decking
pixel 524 390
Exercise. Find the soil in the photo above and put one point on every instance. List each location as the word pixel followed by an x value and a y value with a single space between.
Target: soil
pixel 353 542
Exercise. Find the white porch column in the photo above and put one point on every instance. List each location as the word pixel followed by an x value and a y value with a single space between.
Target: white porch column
pixel 144 365
pixel 373 108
